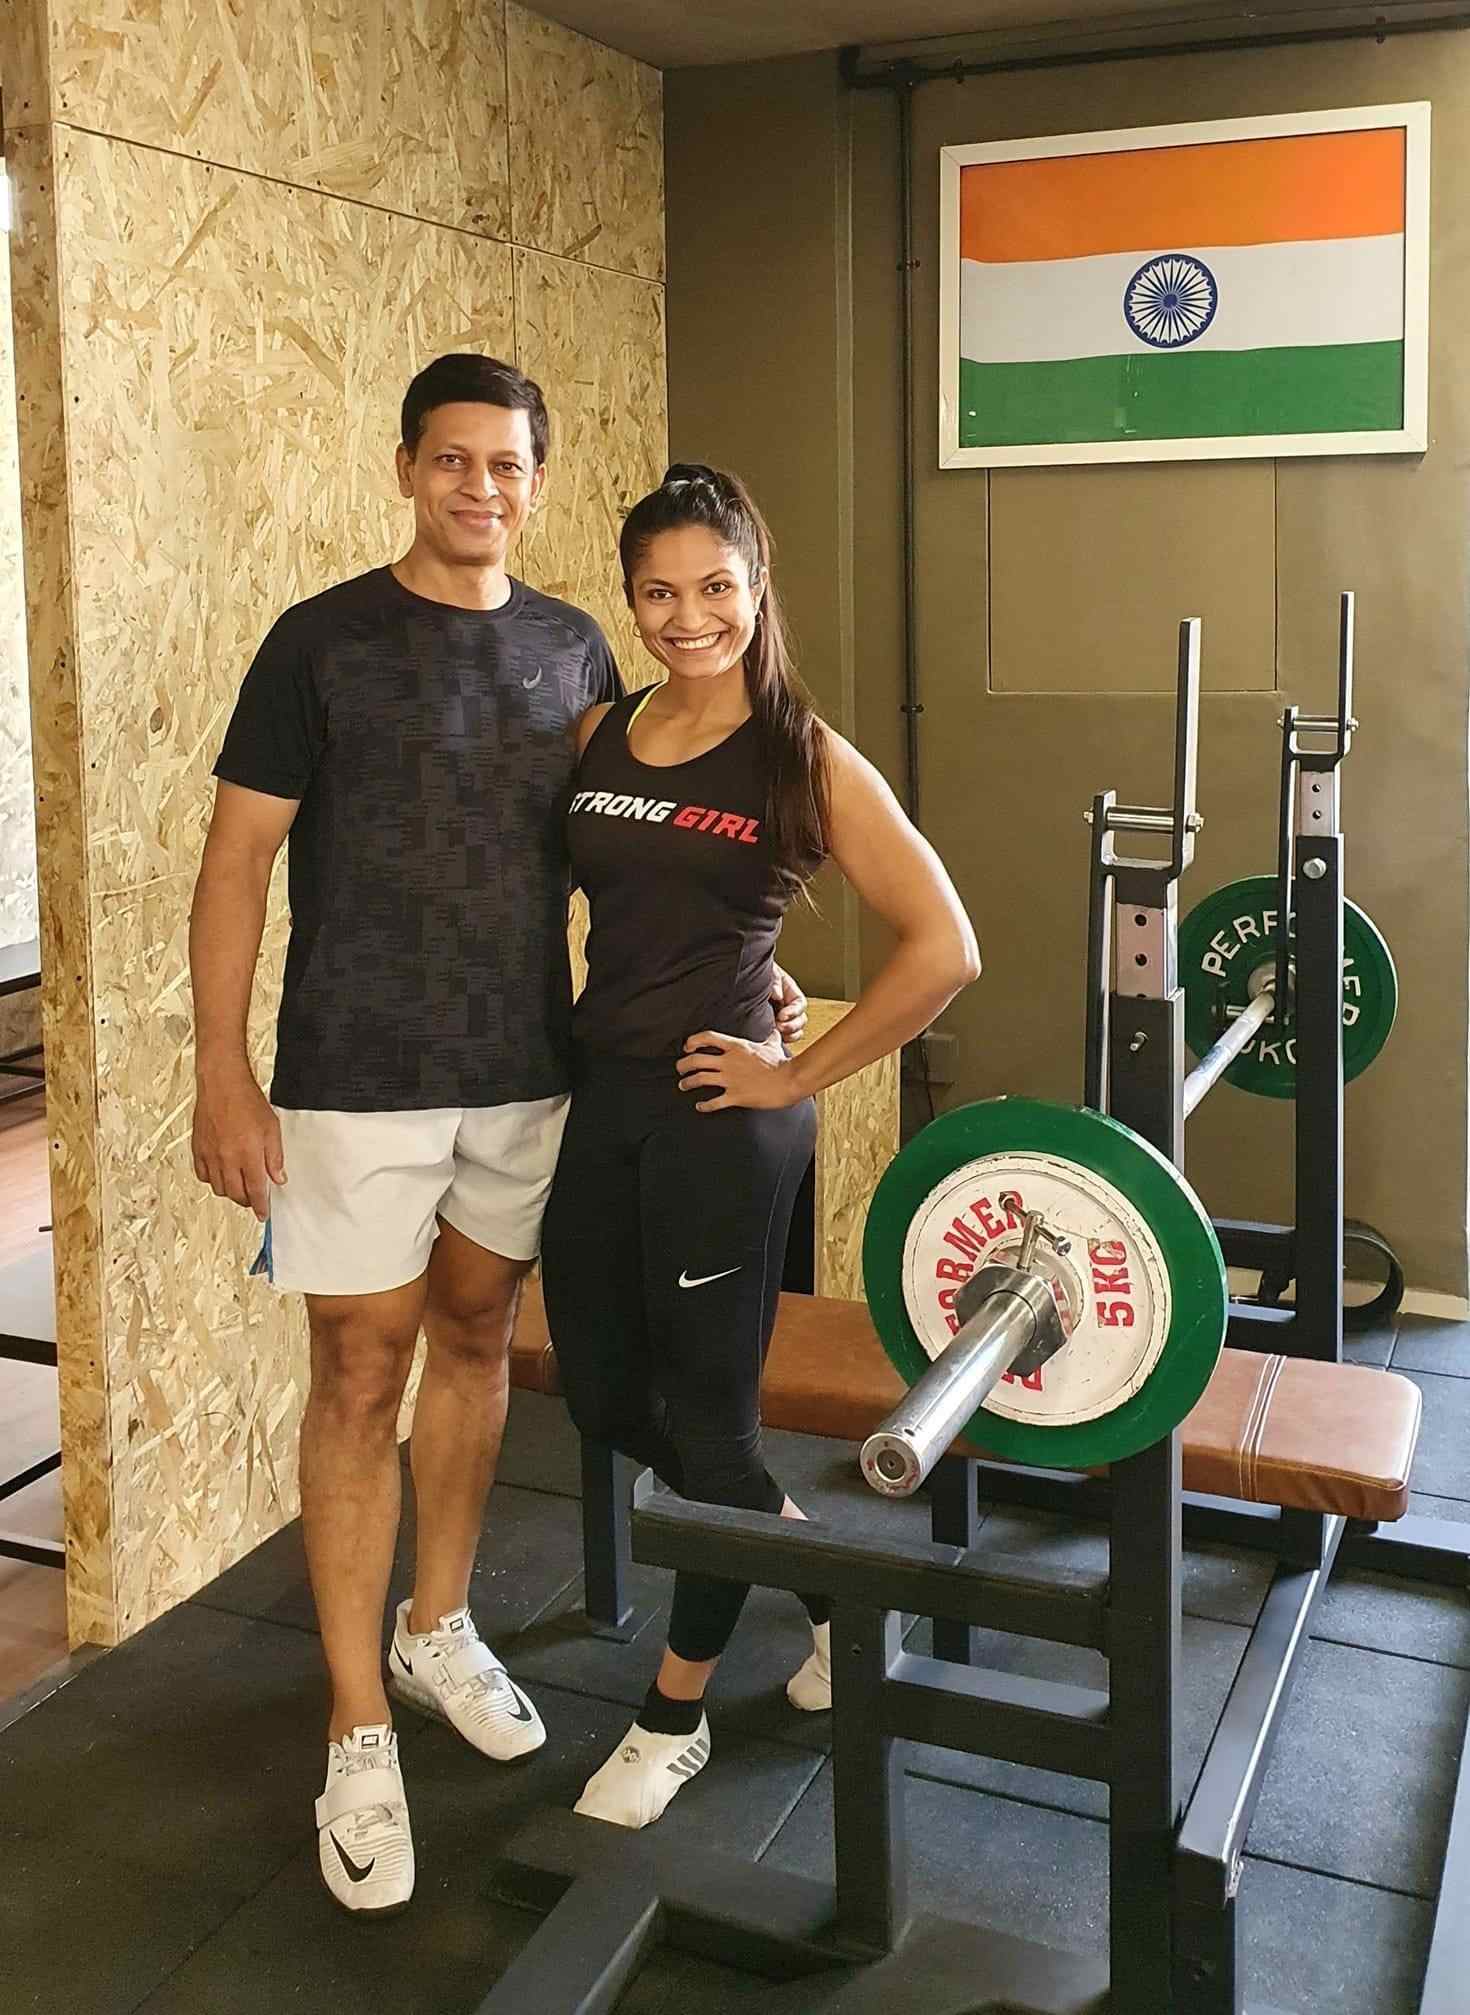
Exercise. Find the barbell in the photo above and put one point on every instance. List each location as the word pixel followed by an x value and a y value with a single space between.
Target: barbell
pixel 1048 1285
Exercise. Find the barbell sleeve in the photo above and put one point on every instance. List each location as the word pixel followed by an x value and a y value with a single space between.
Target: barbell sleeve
pixel 1241 1033
pixel 897 1456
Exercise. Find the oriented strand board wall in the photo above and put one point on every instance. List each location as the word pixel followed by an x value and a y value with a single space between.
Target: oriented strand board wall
pixel 230 352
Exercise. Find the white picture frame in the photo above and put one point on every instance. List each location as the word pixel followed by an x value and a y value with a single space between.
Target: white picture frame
pixel 1410 438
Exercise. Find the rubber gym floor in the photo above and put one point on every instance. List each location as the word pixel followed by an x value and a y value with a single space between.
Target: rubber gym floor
pixel 155 1810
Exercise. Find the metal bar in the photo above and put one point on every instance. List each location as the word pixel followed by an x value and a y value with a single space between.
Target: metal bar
pixel 1319 1097
pixel 1140 819
pixel 1448 1967
pixel 1245 1242
pixel 24 1478
pixel 36 1552
pixel 900 1452
pixel 869 1835
pixel 1146 1069
pixel 1284 857
pixel 1134 36
pixel 1261 1326
pixel 1146 1077
pixel 954 1520
pixel 586 1952
pixel 28 1349
pixel 760 1920
pixel 1211 1845
pixel 1419 1549
pixel 606 1540
pixel 1241 1033
pixel 1001 1714
pixel 1218 1817
pixel 1347 642
pixel 1304 1536
pixel 1099 939
pixel 1145 1667
pixel 999 1593
pixel 1186 746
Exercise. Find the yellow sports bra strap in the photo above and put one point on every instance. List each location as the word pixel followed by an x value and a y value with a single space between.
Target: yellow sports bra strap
pixel 639 709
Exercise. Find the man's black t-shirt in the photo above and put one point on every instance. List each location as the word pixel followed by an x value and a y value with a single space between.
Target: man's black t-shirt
pixel 431 750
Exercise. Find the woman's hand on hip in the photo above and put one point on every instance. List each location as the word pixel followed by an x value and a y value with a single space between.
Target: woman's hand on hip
pixel 734 1072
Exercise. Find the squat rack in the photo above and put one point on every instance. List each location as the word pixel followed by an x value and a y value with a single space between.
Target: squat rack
pixel 1135 1070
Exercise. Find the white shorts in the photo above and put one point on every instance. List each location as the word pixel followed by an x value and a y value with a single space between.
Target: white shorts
pixel 357 1212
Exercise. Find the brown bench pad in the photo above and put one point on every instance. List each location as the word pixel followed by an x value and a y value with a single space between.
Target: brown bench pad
pixel 1272 1430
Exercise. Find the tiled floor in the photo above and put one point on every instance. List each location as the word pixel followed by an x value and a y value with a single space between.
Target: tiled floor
pixel 192 1755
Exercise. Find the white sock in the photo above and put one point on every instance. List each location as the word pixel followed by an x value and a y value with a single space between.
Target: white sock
pixel 810 1688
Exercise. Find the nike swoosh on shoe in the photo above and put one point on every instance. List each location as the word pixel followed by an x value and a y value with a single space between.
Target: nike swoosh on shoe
pixel 354 1873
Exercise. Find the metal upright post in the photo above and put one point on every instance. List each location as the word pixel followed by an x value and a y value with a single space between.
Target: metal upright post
pixel 607 1489
pixel 1146 1092
pixel 870 1837
pixel 1144 1674
pixel 1099 954
pixel 954 1520
pixel 1317 893
pixel 1145 1540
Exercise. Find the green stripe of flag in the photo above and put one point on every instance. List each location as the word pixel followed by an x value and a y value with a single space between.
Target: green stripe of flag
pixel 1331 389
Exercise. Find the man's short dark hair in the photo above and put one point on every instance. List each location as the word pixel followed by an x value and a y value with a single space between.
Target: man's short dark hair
pixel 465 379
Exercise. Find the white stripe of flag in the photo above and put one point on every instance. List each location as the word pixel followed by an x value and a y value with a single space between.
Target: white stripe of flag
pixel 1280 296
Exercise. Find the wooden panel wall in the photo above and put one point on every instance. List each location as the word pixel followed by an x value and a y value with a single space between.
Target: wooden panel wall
pixel 211 363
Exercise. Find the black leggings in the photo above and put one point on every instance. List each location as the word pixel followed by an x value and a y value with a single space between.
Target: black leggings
pixel 662 1252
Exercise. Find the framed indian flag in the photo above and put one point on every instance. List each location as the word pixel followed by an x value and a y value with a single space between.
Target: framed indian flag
pixel 1249 287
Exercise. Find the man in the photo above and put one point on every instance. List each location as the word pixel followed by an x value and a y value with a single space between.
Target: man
pixel 412 731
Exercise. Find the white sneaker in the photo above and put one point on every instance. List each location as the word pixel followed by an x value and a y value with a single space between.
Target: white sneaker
pixel 362 1824
pixel 637 1781
pixel 451 1673
pixel 810 1686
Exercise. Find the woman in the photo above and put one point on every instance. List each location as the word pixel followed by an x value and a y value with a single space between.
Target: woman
pixel 700 809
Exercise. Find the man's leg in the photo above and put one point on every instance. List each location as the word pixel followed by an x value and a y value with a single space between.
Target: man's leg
pixel 459 1416
pixel 361 1350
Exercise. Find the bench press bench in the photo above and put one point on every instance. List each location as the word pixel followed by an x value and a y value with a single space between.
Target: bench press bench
pixel 1313 1447
pixel 1308 1436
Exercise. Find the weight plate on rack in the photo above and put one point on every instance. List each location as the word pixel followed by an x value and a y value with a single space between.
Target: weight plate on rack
pixel 1141 1286
pixel 1227 947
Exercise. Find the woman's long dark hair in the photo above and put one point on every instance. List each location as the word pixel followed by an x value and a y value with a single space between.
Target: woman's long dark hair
pixel 793 749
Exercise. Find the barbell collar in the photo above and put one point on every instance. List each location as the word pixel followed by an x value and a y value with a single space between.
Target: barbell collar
pixel 1009 1322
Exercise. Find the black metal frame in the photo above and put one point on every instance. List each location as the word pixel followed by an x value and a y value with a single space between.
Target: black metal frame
pixel 19 973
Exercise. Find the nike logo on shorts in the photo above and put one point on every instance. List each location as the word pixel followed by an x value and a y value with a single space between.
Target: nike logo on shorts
pixel 705 1278
pixel 531 684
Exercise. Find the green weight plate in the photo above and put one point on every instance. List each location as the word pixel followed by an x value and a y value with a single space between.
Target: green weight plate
pixel 1229 940
pixel 1141 1289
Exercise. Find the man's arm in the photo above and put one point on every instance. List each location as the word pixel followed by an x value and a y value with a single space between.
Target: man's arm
pixel 237 1138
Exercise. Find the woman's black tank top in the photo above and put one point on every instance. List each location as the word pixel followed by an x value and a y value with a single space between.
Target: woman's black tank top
pixel 686 902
